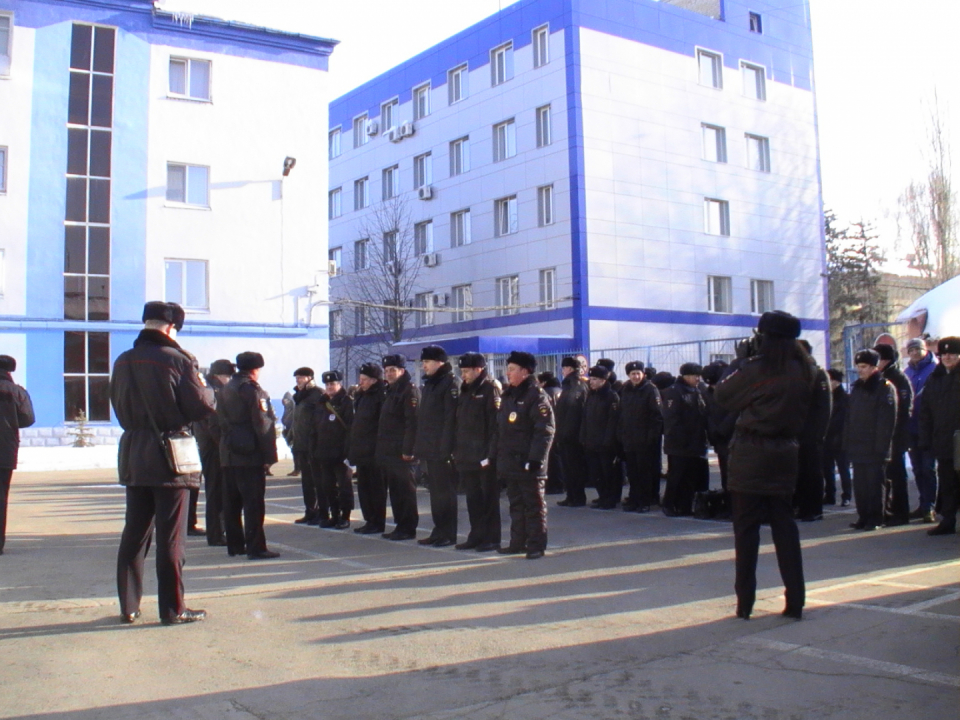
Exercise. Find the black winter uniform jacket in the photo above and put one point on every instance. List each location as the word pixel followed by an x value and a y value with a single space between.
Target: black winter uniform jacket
pixel 329 437
pixel 684 420
pixel 477 409
pixel 366 420
pixel 838 420
pixel 601 412
pixel 818 416
pixel 437 415
pixel 940 412
pixel 177 395
pixel 207 431
pixel 871 420
pixel 569 408
pixel 16 411
pixel 525 429
pixel 397 428
pixel 248 437
pixel 640 423
pixel 901 383
pixel 305 404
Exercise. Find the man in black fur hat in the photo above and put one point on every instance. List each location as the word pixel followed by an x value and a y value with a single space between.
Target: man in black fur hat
pixel 306 397
pixel 396 433
pixel 897 505
pixel 16 411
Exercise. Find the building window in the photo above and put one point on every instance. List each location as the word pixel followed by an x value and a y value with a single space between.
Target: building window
pixel 501 64
pixel 506 220
pixel 423 237
pixel 548 289
pixel 391 182
pixel 541 46
pixel 459 156
pixel 460 228
pixel 508 295
pixel 716 216
pixel 185 282
pixel 756 23
pixel 761 296
pixel 545 205
pixel 711 69
pixel 457 84
pixel 336 324
pixel 335 261
pixel 86 272
pixel 714 143
pixel 719 294
pixel 754 81
pixel 333 204
pixel 190 78
pixel 462 302
pixel 360 321
pixel 360 131
pixel 422 170
pixel 388 115
pixel 188 184
pixel 504 140
pixel 421 101
pixel 360 254
pixel 333 143
pixel 758 153
pixel 424 304
pixel 361 193
pixel 391 241
pixel 544 132
pixel 6 42
pixel 86 376
pixel 3 169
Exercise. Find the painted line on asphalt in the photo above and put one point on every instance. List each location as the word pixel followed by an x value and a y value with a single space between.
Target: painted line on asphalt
pixel 856 660
pixel 933 602
pixel 881 608
pixel 321 556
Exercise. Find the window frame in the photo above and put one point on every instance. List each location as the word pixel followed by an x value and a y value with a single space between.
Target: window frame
pixel 501 72
pixel 360 137
pixel 725 289
pixel 723 216
pixel 756 285
pixel 335 255
pixel 187 76
pixel 390 182
pixel 719 144
pixel 457 79
pixel 424 301
pixel 544 125
pixel 506 214
pixel 762 145
pixel 186 187
pixel 334 143
pixel 460 228
pixel 7 52
pixel 716 60
pixel 759 84
pixel 548 288
pixel 4 162
pixel 508 285
pixel 334 203
pixel 545 206
pixel 460 156
pixel 755 21
pixel 335 324
pixel 422 170
pixel 423 243
pixel 389 108
pixel 541 50
pixel 462 297
pixel 504 140
pixel 361 254
pixel 361 200
pixel 421 91
pixel 184 292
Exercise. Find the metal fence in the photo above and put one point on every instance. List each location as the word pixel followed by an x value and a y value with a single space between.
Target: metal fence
pixel 858 337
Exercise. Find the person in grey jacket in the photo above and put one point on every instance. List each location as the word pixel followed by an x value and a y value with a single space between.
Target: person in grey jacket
pixel 867 437
pixel 16 411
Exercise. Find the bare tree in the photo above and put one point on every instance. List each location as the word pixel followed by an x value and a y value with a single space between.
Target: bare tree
pixel 928 211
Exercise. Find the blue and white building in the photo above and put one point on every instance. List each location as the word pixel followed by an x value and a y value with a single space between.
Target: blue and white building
pixel 142 157
pixel 585 174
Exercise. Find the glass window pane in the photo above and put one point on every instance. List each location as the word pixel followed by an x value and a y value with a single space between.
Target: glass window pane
pixel 99 250
pixel 200 79
pixel 80 47
pixel 98 298
pixel 101 109
pixel 176 183
pixel 74 352
pixel 103 49
pixel 99 399
pixel 197 185
pixel 74 397
pixel 76 151
pixel 74 297
pixel 100 201
pixel 76 199
pixel 196 284
pixel 75 249
pixel 99 346
pixel 100 153
pixel 173 281
pixel 79 101
pixel 178 76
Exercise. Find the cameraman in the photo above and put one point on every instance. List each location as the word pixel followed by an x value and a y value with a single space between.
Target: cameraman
pixel 771 386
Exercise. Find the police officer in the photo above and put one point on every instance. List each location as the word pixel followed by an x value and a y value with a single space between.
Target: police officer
pixel 474 450
pixel 371 486
pixel 939 425
pixel 306 397
pixel 156 385
pixel 835 461
pixel 810 482
pixel 16 411
pixel 569 416
pixel 771 386
pixel 552 387
pixel 639 428
pixel 897 505
pixel 436 431
pixel 684 441
pixel 330 435
pixel 525 428
pixel 396 433
pixel 598 436
pixel 248 446
pixel 207 432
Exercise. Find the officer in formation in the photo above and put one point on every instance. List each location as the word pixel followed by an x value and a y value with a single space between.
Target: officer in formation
pixel 809 496
pixel 396 433
pixel 16 411
pixel 306 397
pixel 329 440
pixel 207 432
pixel 598 437
pixel 639 427
pixel 569 417
pixel 835 461
pixel 685 441
pixel 897 505
pixel 940 430
pixel 361 453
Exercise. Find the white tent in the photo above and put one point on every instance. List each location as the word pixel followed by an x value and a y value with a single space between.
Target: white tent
pixel 936 313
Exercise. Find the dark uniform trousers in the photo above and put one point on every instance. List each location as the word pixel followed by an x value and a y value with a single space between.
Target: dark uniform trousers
pixel 923 462
pixel 685 476
pixel 528 512
pixel 483 504
pixel 213 493
pixel 836 458
pixel 574 470
pixel 335 482
pixel 372 493
pixel 555 482
pixel 442 480
pixel 949 492
pixel 243 494
pixel 809 494
pixel 194 501
pixel 605 475
pixel 5 475
pixel 165 508
pixel 897 503
pixel 723 461
pixel 643 473
pixel 314 500
pixel 749 512
pixel 403 494
pixel 868 492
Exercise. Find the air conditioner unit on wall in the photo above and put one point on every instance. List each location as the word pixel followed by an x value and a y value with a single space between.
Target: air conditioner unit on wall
pixel 394 136
pixel 373 127
pixel 439 299
pixel 431 259
pixel 407 129
pixel 425 192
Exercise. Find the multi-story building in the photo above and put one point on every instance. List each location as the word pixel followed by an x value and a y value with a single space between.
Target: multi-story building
pixel 146 155
pixel 577 174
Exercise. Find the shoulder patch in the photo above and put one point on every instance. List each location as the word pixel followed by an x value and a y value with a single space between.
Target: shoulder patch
pixel 413 401
pixel 496 402
pixel 263 405
pixel 455 391
pixel 201 378
pixel 545 410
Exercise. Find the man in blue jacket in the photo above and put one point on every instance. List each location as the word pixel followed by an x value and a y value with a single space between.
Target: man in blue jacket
pixel 922 363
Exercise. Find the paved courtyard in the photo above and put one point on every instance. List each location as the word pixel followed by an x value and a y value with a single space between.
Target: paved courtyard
pixel 629 616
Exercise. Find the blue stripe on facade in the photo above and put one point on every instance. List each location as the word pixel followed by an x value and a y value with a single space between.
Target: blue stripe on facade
pixel 686 317
pixel 578 201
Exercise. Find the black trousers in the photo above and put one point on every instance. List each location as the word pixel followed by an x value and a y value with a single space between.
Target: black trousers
pixel 244 489
pixel 213 493
pixel 809 494
pixel 372 493
pixel 836 457
pixel 897 504
pixel 555 482
pixel 403 494
pixel 528 512
pixel 482 489
pixel 442 481
pixel 723 460
pixel 314 500
pixel 643 473
pixel 749 513
pixel 166 509
pixel 685 477
pixel 335 481
pixel 5 475
pixel 949 492
pixel 605 476
pixel 194 501
pixel 923 463
pixel 574 471
pixel 868 492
